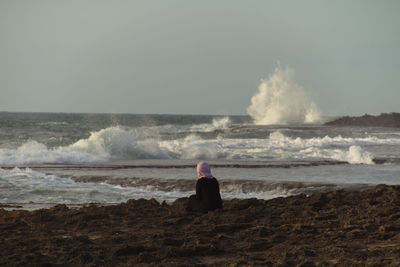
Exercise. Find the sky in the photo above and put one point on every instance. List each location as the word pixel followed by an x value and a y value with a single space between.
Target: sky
pixel 196 57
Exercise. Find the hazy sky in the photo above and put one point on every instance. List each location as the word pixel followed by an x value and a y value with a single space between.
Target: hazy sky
pixel 196 57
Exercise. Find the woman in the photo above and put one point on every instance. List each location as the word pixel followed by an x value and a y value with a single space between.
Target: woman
pixel 207 191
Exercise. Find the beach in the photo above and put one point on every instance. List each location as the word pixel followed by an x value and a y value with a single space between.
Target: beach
pixel 111 190
pixel 107 109
pixel 337 228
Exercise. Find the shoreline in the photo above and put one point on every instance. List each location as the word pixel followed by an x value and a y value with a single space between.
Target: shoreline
pixel 334 228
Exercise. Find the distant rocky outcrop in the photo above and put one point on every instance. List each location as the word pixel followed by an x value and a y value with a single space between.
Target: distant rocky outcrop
pixel 383 120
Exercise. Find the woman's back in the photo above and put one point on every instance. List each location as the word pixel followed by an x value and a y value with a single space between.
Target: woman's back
pixel 207 193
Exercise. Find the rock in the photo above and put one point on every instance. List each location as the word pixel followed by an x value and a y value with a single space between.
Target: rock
pixel 334 228
pixel 383 120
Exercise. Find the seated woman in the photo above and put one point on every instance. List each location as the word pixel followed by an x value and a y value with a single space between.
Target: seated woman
pixel 207 191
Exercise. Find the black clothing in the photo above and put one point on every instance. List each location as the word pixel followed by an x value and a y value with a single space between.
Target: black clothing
pixel 207 196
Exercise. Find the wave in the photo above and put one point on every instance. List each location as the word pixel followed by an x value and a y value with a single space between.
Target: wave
pixel 280 100
pixel 329 148
pixel 24 185
pixel 53 123
pixel 35 152
pixel 29 186
pixel 118 142
pixel 232 187
pixel 143 143
pixel 217 125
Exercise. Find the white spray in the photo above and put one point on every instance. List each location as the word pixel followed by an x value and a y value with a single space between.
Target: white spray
pixel 281 101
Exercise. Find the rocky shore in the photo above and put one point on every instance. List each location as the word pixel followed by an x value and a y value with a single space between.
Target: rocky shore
pixel 383 120
pixel 338 228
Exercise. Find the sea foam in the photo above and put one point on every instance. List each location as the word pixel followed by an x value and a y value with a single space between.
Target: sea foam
pixel 139 143
pixel 24 185
pixel 119 142
pixel 280 100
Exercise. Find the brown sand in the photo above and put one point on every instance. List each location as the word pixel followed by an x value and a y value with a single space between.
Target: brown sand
pixel 326 229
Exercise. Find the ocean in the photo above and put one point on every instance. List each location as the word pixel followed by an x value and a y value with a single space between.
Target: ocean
pixel 76 159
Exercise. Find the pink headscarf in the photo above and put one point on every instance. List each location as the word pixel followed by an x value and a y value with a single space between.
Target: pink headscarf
pixel 203 170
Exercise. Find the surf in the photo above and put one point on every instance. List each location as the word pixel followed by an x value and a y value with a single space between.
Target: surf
pixel 280 100
pixel 119 142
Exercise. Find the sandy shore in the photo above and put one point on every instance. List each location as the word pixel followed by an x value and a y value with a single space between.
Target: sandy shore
pixel 325 229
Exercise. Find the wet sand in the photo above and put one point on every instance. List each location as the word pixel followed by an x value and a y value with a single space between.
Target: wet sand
pixel 325 229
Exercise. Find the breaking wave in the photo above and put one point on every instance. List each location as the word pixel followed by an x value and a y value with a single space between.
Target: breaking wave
pixel 280 100
pixel 217 124
pixel 232 187
pixel 120 143
pixel 24 185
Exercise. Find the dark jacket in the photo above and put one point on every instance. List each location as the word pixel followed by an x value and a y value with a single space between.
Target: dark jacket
pixel 207 194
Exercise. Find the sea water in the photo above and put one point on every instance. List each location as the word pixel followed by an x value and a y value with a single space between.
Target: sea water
pixel 51 158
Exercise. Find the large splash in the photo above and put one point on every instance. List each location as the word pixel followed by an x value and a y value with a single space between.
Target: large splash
pixel 280 100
